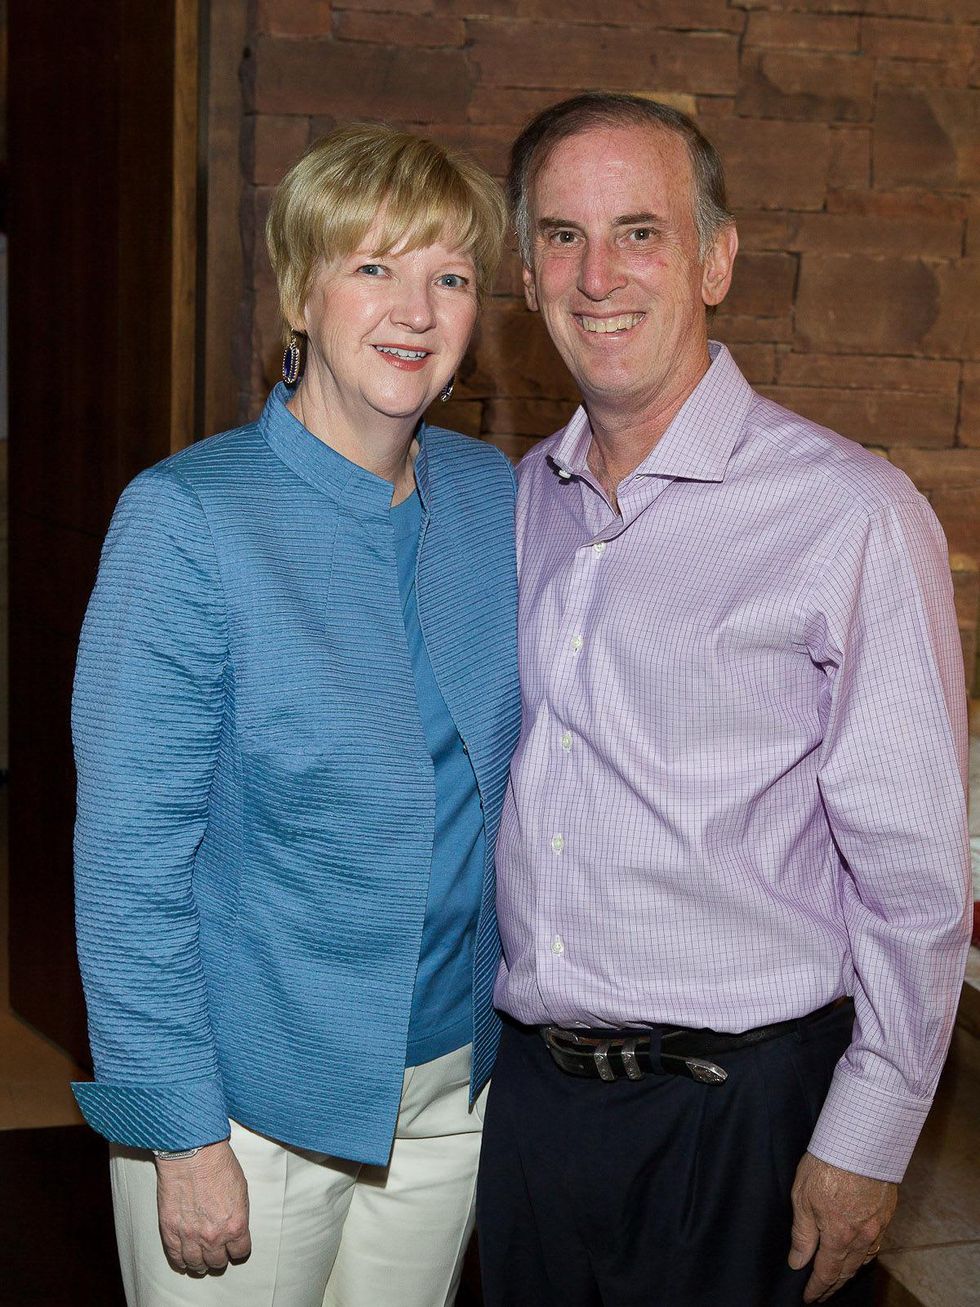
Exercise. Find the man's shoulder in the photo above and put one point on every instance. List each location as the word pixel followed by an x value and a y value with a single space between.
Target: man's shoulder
pixel 822 458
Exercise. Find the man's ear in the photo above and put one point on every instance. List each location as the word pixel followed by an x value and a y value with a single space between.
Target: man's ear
pixel 716 275
pixel 530 291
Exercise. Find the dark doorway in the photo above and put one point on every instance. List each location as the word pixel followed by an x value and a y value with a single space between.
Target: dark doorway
pixel 102 247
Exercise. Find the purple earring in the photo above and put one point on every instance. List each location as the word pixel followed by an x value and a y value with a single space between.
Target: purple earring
pixel 292 360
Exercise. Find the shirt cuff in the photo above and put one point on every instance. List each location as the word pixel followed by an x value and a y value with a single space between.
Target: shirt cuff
pixel 866 1130
pixel 170 1117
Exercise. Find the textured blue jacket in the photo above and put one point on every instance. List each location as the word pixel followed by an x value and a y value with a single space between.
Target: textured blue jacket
pixel 255 795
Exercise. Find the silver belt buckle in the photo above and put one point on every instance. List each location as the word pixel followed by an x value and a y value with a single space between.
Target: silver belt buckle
pixel 553 1036
pixel 708 1073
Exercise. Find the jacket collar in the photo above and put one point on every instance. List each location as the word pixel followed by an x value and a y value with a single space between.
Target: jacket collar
pixel 358 490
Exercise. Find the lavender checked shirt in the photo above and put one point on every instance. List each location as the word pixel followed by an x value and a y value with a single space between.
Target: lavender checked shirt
pixel 739 788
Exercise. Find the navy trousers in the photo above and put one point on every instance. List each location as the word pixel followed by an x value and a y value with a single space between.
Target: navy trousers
pixel 661 1192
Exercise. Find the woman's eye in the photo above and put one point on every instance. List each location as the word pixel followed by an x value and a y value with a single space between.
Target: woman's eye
pixel 453 280
pixel 372 269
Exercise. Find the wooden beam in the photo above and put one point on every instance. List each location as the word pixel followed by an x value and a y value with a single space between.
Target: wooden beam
pixel 183 322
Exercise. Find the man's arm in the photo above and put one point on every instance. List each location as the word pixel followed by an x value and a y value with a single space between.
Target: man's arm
pixel 892 778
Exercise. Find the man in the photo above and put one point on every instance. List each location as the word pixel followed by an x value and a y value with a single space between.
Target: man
pixel 733 862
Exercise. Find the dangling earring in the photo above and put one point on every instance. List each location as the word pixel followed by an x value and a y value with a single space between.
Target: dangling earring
pixel 447 389
pixel 292 360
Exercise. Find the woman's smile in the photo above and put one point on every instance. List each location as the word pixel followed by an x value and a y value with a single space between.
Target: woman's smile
pixel 405 357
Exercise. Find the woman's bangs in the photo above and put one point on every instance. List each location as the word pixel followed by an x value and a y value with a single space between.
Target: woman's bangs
pixel 408 224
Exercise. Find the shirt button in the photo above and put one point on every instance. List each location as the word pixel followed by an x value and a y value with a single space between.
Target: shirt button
pixel 566 741
pixel 577 643
pixel 558 842
pixel 598 547
pixel 558 945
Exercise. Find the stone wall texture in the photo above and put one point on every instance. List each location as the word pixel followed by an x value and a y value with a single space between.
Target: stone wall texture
pixel 850 130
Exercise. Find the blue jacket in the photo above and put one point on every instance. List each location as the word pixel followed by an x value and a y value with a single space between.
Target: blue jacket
pixel 255 796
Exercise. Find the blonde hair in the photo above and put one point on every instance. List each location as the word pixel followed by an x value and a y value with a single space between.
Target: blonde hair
pixel 423 193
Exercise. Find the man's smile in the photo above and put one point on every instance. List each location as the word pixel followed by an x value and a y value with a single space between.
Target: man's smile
pixel 621 323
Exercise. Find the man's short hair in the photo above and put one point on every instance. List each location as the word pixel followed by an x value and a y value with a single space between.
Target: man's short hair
pixel 326 203
pixel 536 142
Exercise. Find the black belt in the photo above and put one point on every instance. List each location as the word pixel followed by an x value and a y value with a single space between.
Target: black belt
pixel 673 1050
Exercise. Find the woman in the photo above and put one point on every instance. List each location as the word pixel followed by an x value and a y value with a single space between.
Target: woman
pixel 295 704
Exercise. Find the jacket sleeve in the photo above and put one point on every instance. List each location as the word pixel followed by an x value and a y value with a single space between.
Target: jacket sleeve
pixel 146 719
pixel 892 778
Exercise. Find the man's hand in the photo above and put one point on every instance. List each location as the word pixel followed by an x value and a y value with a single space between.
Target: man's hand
pixel 839 1216
pixel 202 1203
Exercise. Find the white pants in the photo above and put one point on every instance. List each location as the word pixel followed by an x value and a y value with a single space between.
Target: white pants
pixel 325 1232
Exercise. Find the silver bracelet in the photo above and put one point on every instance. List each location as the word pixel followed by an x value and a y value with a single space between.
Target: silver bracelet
pixel 180 1152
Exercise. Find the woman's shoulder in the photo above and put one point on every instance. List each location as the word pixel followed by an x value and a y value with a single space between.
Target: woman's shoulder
pixel 204 458
pixel 179 498
pixel 200 469
pixel 450 451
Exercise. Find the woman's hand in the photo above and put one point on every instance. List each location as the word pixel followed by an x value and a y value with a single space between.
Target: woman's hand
pixel 202 1203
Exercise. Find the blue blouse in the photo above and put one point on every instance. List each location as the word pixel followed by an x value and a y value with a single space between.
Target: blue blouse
pixel 441 1019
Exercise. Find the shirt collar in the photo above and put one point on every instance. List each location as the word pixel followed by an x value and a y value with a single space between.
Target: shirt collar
pixel 359 490
pixel 698 443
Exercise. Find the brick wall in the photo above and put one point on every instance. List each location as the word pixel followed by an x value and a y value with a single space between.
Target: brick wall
pixel 850 133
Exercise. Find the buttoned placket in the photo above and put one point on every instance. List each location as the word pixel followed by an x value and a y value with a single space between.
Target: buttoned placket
pixel 603 526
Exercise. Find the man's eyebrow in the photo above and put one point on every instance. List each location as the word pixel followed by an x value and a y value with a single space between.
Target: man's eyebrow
pixel 624 220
